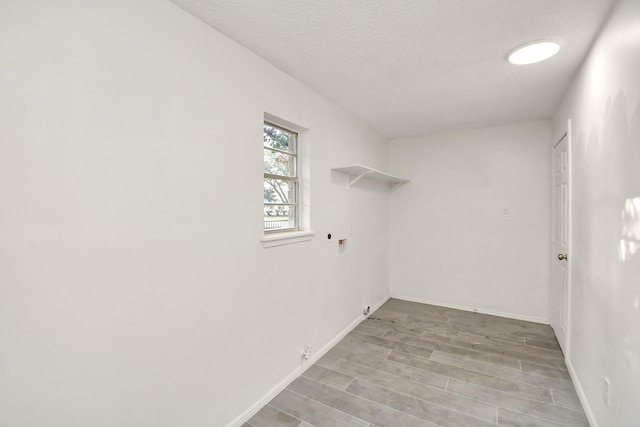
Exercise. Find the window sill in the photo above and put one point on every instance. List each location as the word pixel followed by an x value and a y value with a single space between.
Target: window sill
pixel 286 238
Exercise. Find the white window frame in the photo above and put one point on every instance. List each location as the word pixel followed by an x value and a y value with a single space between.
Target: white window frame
pixel 303 232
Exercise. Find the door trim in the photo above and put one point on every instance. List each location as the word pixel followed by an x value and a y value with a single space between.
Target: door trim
pixel 565 131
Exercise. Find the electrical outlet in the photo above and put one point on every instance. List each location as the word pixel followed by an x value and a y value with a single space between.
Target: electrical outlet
pixel 607 391
pixel 306 353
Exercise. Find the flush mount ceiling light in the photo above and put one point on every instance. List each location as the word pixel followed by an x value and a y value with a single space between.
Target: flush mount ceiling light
pixel 533 52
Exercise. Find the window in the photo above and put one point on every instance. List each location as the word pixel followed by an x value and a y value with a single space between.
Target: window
pixel 281 184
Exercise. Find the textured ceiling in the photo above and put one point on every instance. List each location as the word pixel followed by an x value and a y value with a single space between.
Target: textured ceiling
pixel 415 67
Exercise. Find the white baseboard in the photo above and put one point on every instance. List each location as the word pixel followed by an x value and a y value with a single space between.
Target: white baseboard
pixel 476 310
pixel 581 395
pixel 251 411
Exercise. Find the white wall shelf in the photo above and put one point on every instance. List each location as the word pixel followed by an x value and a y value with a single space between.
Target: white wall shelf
pixel 357 172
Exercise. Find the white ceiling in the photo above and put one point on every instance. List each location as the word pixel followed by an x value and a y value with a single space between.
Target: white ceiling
pixel 415 67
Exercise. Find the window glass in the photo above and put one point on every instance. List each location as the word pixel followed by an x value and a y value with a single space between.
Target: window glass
pixel 280 178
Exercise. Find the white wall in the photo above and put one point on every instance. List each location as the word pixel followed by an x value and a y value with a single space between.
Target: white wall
pixel 134 290
pixel 449 242
pixel 604 107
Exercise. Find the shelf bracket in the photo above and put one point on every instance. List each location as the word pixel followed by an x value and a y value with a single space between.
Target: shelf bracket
pixel 358 177
pixel 396 185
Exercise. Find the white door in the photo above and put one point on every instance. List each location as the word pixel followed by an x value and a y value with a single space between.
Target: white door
pixel 560 240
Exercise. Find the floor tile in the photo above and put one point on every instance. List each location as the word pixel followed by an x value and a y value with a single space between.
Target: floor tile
pixel 419 408
pixel 547 411
pixel 363 409
pixel 498 337
pixel 326 361
pixel 269 416
pixel 328 376
pixel 567 400
pixel 544 344
pixel 536 336
pixel 559 383
pixel 460 348
pixel 418 390
pixel 509 418
pixel 350 349
pixel 371 330
pixel 547 371
pixel 398 369
pixel 313 411
pixel 404 327
pixel 521 389
pixel 391 344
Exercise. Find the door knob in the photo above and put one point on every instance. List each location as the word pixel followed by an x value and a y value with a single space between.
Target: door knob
pixel 562 257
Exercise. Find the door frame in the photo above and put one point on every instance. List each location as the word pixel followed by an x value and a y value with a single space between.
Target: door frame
pixel 565 130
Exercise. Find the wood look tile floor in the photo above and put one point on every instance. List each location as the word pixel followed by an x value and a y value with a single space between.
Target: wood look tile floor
pixel 413 364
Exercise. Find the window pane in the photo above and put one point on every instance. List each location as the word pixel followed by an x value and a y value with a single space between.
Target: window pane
pixel 279 191
pixel 277 163
pixel 280 139
pixel 279 217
